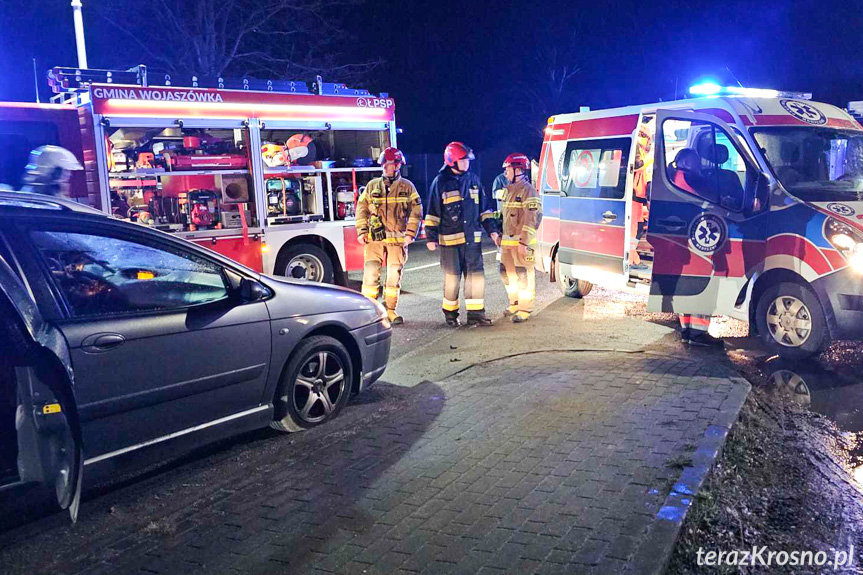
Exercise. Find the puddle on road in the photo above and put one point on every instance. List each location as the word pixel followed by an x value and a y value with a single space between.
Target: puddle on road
pixel 830 385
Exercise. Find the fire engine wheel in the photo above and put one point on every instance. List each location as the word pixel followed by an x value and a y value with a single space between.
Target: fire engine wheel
pixel 570 287
pixel 307 262
pixel 315 385
pixel 791 321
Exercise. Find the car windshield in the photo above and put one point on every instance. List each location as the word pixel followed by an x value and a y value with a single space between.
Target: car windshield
pixel 815 164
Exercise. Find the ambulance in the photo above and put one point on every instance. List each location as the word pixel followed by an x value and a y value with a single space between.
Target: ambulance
pixel 264 172
pixel 746 203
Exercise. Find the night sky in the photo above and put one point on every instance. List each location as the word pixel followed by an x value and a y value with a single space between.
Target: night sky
pixel 463 70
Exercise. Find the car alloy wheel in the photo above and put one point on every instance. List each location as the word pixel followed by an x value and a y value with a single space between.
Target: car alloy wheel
pixel 319 387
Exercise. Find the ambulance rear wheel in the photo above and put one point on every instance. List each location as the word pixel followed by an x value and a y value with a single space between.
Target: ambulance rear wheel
pixel 306 262
pixel 570 287
pixel 791 321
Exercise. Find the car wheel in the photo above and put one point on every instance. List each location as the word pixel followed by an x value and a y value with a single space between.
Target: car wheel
pixel 315 385
pixel 570 287
pixel 791 321
pixel 306 262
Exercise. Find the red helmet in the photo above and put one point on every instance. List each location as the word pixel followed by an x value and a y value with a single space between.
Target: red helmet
pixel 392 155
pixel 456 151
pixel 517 161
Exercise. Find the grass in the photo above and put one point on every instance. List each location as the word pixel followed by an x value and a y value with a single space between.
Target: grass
pixel 769 489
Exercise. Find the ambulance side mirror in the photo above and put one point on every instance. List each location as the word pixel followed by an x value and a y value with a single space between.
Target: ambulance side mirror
pixel 761 197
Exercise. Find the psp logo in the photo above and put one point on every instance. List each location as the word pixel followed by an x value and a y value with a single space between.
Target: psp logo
pixel 375 103
pixel 841 209
pixel 707 233
pixel 804 111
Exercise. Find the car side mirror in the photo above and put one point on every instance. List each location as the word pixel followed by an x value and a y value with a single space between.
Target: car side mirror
pixel 251 291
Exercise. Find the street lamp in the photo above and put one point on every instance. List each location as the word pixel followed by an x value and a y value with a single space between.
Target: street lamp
pixel 79 33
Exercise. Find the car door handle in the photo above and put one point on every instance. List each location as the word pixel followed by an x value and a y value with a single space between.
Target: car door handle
pixel 609 216
pixel 673 223
pixel 101 342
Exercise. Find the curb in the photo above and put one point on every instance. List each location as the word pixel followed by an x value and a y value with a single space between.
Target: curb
pixel 655 551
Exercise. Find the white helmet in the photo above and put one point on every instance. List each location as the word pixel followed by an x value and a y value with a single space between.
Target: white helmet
pixel 49 170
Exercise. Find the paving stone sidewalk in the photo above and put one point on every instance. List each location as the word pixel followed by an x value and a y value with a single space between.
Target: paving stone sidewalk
pixel 544 463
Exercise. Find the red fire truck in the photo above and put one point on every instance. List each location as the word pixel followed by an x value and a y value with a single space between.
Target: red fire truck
pixel 264 172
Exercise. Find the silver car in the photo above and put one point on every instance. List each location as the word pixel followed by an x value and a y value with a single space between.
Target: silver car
pixel 161 341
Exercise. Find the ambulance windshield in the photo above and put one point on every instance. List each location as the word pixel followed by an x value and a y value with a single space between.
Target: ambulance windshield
pixel 814 164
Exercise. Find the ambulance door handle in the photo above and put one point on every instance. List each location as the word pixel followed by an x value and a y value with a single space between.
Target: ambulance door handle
pixel 673 223
pixel 609 216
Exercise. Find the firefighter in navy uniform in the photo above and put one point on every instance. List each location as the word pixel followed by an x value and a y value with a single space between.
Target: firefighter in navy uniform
pixel 521 212
pixel 458 210
pixel 498 188
pixel 389 213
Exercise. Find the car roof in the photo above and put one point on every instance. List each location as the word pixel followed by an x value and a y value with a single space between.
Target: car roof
pixel 39 203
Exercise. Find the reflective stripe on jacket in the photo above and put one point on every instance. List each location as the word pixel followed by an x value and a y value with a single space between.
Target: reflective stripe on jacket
pixel 398 205
pixel 521 208
pixel 458 209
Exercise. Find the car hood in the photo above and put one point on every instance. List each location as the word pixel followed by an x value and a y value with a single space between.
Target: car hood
pixel 299 298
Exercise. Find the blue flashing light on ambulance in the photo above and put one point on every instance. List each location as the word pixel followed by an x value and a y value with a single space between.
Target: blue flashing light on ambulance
pixel 739 202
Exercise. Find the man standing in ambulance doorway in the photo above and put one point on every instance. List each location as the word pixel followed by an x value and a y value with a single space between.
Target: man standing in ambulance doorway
pixel 389 212
pixel 521 211
pixel 458 210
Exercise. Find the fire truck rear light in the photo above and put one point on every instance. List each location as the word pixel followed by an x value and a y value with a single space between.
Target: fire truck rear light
pixel 264 247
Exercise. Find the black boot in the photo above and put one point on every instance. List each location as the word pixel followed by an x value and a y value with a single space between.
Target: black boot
pixel 478 319
pixel 452 319
pixel 704 339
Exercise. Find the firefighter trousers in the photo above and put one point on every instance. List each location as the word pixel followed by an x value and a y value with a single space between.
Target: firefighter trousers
pixel 457 262
pixel 519 279
pixel 376 255
pixel 695 323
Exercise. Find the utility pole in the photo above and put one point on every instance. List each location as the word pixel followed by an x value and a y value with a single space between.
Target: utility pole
pixel 79 33
pixel 36 81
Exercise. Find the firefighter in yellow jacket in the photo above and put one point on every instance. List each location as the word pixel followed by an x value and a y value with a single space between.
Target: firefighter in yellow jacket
pixel 389 212
pixel 521 211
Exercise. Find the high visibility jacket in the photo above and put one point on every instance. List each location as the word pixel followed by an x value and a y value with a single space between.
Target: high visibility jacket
pixel 521 209
pixel 396 203
pixel 458 209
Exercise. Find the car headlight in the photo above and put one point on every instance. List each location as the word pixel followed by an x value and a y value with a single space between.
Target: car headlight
pixel 847 242
pixel 382 312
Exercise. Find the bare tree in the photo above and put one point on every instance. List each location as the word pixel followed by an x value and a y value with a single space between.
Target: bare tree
pixel 275 38
pixel 549 87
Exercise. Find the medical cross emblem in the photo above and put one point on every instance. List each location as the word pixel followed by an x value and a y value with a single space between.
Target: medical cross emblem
pixel 804 111
pixel 707 233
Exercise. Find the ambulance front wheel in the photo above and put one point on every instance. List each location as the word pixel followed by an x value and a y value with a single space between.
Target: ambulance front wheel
pixel 570 287
pixel 791 321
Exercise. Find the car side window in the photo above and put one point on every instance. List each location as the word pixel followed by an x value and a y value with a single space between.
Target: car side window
pixel 101 275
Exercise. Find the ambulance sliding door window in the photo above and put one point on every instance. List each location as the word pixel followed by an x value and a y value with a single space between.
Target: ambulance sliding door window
pixel 596 168
pixel 702 160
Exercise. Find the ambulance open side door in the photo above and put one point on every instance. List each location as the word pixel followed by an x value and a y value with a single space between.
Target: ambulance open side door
pixel 702 195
